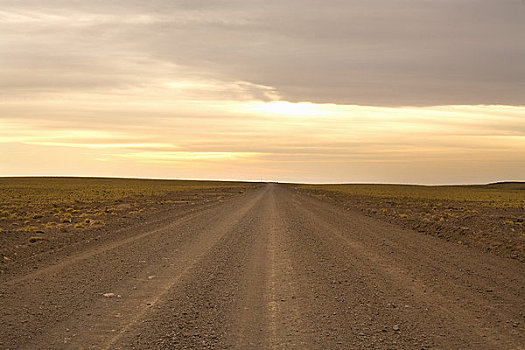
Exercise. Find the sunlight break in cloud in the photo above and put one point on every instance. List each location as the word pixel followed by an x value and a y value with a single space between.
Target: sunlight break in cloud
pixel 275 139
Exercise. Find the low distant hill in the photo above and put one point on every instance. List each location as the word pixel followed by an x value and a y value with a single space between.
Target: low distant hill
pixel 506 185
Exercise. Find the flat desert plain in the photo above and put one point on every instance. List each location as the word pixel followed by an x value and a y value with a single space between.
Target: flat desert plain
pixel 145 264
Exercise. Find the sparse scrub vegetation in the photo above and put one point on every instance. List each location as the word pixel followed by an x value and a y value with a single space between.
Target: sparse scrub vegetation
pixel 62 207
pixel 28 228
pixel 35 239
pixel 479 215
pixel 499 196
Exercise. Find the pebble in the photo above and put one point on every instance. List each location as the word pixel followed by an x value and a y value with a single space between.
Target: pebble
pixel 396 328
pixel 108 295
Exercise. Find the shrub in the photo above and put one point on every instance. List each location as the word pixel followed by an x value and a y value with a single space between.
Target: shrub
pixel 28 228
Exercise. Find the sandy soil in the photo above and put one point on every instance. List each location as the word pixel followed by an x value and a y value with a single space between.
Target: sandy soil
pixel 271 268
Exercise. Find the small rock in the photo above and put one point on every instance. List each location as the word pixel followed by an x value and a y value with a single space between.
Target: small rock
pixel 108 295
pixel 151 277
pixel 396 328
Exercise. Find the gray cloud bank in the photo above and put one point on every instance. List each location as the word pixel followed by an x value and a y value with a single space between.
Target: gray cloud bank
pixel 378 52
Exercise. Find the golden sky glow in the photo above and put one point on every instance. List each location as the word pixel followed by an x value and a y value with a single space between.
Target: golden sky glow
pixel 208 93
pixel 155 133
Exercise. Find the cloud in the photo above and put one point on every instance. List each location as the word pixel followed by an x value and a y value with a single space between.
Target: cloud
pixel 274 140
pixel 310 90
pixel 407 52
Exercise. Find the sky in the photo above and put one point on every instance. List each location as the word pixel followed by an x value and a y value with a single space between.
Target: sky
pixel 390 91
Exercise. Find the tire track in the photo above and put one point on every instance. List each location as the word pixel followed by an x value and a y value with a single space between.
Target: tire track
pixel 102 249
pixel 88 320
pixel 468 324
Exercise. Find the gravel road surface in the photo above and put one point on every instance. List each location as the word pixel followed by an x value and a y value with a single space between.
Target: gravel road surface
pixel 269 269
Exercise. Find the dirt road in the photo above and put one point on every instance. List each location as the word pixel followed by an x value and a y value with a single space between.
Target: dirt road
pixel 271 269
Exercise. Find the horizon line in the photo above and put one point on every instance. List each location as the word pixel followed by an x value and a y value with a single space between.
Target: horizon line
pixel 257 181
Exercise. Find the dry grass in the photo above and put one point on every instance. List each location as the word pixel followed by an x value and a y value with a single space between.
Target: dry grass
pixel 74 191
pixel 56 204
pixel 35 239
pixel 505 195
